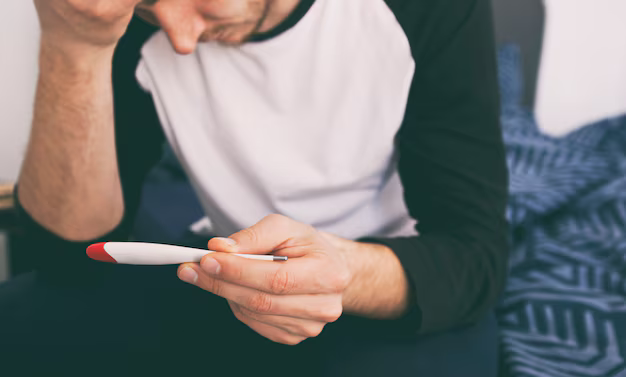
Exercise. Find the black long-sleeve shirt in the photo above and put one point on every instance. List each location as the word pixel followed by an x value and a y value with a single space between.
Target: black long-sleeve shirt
pixel 450 159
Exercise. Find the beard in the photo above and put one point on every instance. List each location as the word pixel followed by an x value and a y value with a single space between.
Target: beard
pixel 237 34
pixel 228 33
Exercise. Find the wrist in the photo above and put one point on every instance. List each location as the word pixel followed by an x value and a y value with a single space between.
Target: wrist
pixel 379 287
pixel 74 58
pixel 358 256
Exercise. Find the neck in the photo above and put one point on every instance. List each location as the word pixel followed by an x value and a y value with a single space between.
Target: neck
pixel 277 11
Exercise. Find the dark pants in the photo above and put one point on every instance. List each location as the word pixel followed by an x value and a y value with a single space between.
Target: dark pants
pixel 145 322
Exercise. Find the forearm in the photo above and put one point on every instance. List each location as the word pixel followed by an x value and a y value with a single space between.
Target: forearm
pixel 69 181
pixel 379 288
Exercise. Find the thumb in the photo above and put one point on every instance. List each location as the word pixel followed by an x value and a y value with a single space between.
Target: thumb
pixel 269 234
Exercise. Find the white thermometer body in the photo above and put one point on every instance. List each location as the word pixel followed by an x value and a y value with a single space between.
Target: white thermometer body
pixel 139 253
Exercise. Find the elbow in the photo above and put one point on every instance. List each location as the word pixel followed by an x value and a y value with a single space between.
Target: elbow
pixel 90 227
pixel 474 279
pixel 70 223
pixel 491 279
pixel 93 224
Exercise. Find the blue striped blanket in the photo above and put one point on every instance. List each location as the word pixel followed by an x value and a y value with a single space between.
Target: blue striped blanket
pixel 564 309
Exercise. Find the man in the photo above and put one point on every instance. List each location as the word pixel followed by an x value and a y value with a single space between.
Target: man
pixel 359 138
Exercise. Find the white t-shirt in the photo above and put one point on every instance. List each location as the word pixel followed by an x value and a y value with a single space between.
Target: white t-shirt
pixel 302 124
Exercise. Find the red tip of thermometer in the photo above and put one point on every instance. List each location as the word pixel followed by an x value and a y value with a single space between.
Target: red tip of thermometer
pixel 97 252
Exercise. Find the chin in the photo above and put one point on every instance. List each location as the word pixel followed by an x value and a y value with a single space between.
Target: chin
pixel 231 43
pixel 232 40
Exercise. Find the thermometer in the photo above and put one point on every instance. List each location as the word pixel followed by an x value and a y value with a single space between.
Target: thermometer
pixel 139 253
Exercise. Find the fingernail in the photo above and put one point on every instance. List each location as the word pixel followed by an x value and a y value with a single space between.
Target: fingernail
pixel 229 241
pixel 188 275
pixel 211 266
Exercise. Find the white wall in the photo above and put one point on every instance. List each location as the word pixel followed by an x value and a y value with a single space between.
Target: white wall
pixel 583 70
pixel 19 35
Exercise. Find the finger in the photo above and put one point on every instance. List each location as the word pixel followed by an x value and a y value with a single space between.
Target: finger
pixel 270 332
pixel 270 234
pixel 312 274
pixel 221 244
pixel 295 326
pixel 323 308
pixel 292 248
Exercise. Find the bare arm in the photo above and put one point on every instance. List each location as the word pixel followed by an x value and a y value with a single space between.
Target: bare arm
pixel 69 182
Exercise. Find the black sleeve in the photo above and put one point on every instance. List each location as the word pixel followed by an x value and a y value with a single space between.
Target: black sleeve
pixel 452 164
pixel 139 140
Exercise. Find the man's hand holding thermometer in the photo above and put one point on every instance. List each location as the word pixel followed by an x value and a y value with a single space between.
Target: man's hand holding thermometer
pixel 319 276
